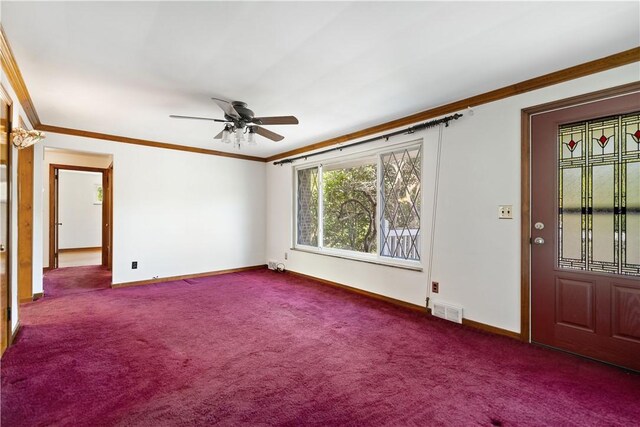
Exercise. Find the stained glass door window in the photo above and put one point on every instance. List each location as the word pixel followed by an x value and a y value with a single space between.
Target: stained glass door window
pixel 599 195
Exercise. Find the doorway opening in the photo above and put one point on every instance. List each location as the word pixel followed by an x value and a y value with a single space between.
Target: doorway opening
pixel 78 251
pixel 581 225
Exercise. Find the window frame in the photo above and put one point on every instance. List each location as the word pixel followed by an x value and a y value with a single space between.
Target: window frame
pixel 350 254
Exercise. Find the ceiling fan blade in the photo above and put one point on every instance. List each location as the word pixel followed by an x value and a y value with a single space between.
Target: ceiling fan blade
pixel 227 108
pixel 276 120
pixel 268 134
pixel 174 116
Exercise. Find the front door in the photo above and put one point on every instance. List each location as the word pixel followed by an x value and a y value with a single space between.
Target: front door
pixel 585 228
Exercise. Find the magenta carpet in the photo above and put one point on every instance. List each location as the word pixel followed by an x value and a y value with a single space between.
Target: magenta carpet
pixel 72 280
pixel 262 348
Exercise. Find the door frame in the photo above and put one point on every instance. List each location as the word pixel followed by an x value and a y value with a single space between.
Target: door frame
pixel 107 210
pixel 525 187
pixel 6 297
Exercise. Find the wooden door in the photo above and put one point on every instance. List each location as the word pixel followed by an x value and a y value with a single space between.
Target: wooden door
pixel 5 178
pixel 107 213
pixel 585 228
pixel 54 218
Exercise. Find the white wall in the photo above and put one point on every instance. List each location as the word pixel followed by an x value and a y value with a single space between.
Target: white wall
pixel 476 255
pixel 80 217
pixel 179 213
pixel 60 157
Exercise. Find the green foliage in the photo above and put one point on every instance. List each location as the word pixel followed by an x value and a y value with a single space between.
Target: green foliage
pixel 350 204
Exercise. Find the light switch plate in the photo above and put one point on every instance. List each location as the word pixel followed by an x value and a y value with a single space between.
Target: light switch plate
pixel 505 211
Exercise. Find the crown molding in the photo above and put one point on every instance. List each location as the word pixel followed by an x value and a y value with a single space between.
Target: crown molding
pixel 571 73
pixel 14 76
pixel 144 142
pixel 596 66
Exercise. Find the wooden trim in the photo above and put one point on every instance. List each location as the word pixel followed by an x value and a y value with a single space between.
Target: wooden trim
pixel 373 295
pixel 110 216
pixel 571 73
pixel 71 250
pixel 596 66
pixel 106 218
pixel 77 168
pixel 408 305
pixel 5 290
pixel 14 76
pixel 52 215
pixel 52 209
pixel 45 269
pixel 14 335
pixel 144 142
pixel 525 226
pixel 25 223
pixel 585 99
pixel 187 276
pixel 525 190
pixel 491 329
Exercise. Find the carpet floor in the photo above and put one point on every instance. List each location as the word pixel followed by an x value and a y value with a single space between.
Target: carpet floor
pixel 73 280
pixel 262 348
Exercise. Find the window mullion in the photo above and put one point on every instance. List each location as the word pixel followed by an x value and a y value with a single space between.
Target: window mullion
pixel 380 201
pixel 320 208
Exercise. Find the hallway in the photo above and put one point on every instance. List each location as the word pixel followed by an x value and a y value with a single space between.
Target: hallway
pixel 74 280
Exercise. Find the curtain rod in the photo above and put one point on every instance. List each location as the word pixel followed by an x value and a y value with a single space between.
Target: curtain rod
pixel 409 130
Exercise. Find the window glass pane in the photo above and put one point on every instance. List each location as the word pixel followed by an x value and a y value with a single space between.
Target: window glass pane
pixel 631 239
pixel 308 207
pixel 599 195
pixel 400 198
pixel 602 226
pixel 349 206
pixel 571 224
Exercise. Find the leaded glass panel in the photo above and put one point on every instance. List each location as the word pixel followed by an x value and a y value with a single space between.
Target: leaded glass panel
pixel 400 195
pixel 599 195
pixel 308 207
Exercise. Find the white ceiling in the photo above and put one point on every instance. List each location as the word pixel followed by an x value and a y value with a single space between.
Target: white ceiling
pixel 123 67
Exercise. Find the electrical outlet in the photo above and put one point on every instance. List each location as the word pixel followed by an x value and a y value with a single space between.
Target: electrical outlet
pixel 134 265
pixel 435 287
pixel 505 212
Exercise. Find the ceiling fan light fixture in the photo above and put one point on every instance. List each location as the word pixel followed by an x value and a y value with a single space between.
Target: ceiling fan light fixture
pixel 240 135
pixel 226 134
pixel 251 138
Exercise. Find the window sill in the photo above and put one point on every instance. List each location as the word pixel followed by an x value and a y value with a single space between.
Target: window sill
pixel 353 258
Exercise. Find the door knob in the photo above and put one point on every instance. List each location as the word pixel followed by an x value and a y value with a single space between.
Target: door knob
pixel 538 241
pixel 2 248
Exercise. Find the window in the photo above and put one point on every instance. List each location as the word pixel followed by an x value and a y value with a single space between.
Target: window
pixel 599 195
pixel 364 207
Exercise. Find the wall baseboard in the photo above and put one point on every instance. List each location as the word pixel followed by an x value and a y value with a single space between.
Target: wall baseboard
pixel 373 295
pixel 186 276
pixel 15 333
pixel 466 322
pixel 491 329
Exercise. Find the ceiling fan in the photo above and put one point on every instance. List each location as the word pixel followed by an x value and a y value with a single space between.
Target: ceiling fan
pixel 240 120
